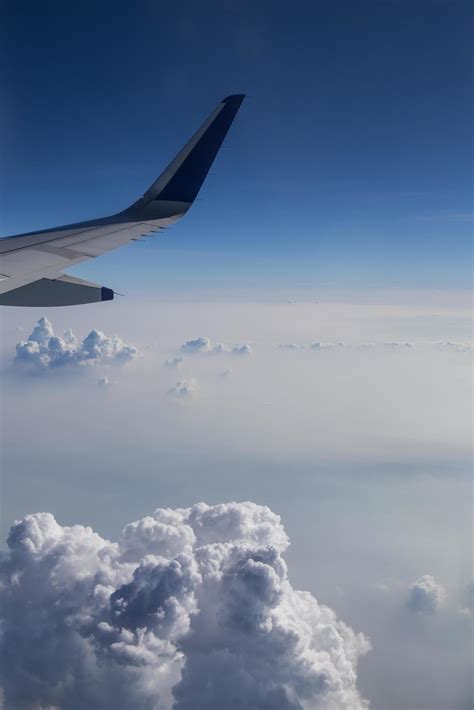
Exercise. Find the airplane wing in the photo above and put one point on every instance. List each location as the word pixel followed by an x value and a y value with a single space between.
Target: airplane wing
pixel 32 264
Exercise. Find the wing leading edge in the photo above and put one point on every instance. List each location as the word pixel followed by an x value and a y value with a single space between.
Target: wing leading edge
pixel 31 264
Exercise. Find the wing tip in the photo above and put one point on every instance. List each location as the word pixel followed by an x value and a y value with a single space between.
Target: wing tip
pixel 235 99
pixel 106 294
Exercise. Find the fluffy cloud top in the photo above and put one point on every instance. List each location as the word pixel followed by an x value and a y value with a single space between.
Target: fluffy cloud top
pixel 425 595
pixel 242 349
pixel 198 345
pixel 190 608
pixel 44 350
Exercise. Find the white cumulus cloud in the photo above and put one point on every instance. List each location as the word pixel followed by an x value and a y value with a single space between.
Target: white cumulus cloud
pixel 45 351
pixel 189 608
pixel 425 595
pixel 244 349
pixel 198 345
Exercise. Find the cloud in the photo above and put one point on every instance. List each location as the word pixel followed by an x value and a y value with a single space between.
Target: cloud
pixel 425 596
pixel 189 608
pixel 198 345
pixel 396 345
pixel 444 345
pixel 204 345
pixel 322 346
pixel 318 345
pixel 183 388
pixel 242 349
pixel 174 361
pixel 46 351
pixel 460 347
pixel 467 607
pixel 220 348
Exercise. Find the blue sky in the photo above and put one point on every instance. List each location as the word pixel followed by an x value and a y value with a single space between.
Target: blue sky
pixel 350 164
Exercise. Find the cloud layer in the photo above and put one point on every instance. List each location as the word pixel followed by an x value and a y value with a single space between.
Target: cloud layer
pixel 45 351
pixel 189 608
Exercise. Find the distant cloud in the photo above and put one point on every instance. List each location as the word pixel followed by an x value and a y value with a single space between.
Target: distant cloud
pixel 204 345
pixel 242 349
pixel 455 346
pixel 425 595
pixel 198 345
pixel 183 388
pixel 46 351
pixel 396 345
pixel 220 348
pixel 322 346
pixel 189 608
pixel 327 346
pixel 174 361
pixel 290 346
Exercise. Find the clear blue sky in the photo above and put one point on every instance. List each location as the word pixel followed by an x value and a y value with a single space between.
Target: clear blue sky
pixel 350 165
